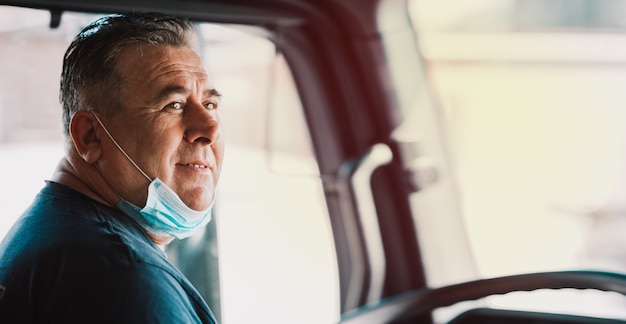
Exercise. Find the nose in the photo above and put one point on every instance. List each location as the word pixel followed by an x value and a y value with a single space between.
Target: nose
pixel 202 125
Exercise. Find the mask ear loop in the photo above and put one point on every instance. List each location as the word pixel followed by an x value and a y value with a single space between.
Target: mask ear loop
pixel 119 147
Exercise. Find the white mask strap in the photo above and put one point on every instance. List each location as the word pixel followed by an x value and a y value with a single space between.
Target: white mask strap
pixel 119 147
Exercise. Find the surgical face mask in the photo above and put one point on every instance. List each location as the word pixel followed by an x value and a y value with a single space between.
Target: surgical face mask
pixel 165 212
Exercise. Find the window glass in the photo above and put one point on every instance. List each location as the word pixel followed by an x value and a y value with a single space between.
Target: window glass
pixel 530 95
pixel 276 259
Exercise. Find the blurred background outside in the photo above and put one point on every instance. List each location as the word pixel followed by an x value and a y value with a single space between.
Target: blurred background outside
pixel 530 95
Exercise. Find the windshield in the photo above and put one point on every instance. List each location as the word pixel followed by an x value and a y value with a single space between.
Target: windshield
pixel 530 97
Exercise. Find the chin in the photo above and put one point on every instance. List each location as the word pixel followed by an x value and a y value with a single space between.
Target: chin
pixel 201 203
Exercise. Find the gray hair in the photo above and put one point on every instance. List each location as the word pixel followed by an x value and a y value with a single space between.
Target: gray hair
pixel 89 80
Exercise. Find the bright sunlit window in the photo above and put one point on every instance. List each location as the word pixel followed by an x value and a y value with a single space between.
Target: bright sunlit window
pixel 276 257
pixel 531 94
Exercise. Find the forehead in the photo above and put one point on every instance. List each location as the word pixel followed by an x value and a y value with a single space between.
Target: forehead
pixel 153 67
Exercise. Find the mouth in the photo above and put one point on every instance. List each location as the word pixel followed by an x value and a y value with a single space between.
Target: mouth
pixel 197 166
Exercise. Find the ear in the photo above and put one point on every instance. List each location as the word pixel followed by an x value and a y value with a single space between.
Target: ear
pixel 83 132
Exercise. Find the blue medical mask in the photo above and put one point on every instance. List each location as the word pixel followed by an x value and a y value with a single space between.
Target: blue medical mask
pixel 165 212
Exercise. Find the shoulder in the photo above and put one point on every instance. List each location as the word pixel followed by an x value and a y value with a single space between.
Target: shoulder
pixel 134 294
pixel 62 223
pixel 87 260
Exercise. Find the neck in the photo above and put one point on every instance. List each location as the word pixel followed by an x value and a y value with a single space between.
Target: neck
pixel 78 176
pixel 85 178
pixel 160 241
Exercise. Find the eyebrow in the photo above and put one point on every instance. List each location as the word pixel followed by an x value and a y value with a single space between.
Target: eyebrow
pixel 168 91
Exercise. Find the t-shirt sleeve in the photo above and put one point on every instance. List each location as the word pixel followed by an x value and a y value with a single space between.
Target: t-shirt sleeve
pixel 133 294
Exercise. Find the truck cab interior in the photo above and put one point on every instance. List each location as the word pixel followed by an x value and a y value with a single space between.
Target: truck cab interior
pixel 387 161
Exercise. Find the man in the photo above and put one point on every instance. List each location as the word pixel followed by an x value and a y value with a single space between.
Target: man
pixel 143 157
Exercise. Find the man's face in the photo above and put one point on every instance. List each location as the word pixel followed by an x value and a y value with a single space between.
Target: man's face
pixel 168 124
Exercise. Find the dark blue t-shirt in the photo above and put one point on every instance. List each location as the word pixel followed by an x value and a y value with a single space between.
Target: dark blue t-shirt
pixel 70 259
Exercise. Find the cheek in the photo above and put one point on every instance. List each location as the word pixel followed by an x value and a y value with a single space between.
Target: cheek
pixel 158 152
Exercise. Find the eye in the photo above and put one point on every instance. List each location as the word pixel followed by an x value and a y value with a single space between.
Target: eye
pixel 174 105
pixel 211 105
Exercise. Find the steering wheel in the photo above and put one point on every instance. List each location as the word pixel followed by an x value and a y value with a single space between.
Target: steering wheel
pixel 411 304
